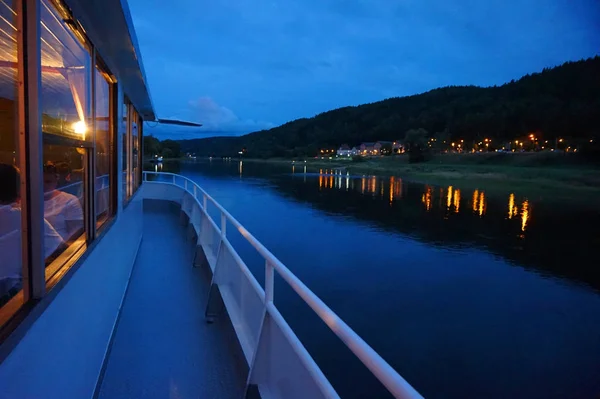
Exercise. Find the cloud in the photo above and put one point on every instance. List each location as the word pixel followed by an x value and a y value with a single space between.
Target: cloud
pixel 217 118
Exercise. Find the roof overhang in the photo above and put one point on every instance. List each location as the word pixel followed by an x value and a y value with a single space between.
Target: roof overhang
pixel 109 26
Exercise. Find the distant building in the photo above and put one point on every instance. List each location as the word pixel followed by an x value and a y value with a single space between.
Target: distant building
pixel 344 151
pixel 368 148
pixel 397 147
pixel 384 147
pixel 327 152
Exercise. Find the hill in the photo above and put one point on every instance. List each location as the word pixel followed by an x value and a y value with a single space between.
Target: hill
pixel 557 102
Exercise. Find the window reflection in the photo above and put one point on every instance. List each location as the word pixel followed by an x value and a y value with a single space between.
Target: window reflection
pixel 102 106
pixel 135 149
pixel 63 192
pixel 65 106
pixel 10 206
pixel 65 95
pixel 125 154
pixel 131 151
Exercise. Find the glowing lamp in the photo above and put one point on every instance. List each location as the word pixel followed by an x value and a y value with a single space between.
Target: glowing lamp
pixel 80 128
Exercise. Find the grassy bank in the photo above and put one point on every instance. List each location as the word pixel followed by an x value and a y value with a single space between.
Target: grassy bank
pixel 561 175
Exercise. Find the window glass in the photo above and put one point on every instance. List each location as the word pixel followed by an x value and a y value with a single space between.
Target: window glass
pixel 135 149
pixel 65 78
pixel 10 206
pixel 65 105
pixel 125 155
pixel 103 148
pixel 64 190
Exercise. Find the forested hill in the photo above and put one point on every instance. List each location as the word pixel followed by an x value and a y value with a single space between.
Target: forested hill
pixel 559 102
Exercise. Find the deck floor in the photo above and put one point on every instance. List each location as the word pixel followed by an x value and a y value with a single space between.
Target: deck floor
pixel 163 348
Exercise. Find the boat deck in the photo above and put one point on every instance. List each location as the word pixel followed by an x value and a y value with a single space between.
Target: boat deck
pixel 163 347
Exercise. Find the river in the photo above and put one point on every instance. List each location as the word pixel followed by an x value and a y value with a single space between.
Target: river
pixel 464 294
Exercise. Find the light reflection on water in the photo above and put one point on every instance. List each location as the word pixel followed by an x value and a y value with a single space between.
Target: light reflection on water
pixel 448 197
pixel 456 201
pixel 524 214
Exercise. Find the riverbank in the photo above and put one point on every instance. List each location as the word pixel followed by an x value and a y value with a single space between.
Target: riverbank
pixel 536 174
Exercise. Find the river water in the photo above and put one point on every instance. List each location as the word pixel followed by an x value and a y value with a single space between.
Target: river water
pixel 463 293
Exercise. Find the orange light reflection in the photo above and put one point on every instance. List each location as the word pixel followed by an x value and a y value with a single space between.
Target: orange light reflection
pixel 524 214
pixel 456 200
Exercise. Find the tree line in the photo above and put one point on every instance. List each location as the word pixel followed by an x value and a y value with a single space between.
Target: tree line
pixel 557 102
pixel 165 148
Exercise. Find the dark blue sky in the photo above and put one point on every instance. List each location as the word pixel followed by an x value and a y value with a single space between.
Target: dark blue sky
pixel 243 65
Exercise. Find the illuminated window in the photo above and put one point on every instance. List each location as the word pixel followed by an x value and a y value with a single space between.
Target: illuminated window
pixel 11 270
pixel 66 86
pixel 65 103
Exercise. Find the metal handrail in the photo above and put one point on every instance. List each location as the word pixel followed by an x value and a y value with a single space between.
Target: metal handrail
pixel 381 369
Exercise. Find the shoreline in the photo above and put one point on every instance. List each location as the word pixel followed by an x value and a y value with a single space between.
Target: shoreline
pixel 559 182
pixel 543 175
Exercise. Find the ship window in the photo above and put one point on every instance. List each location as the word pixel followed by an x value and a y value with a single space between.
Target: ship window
pixel 136 135
pixel 125 154
pixel 68 133
pixel 11 271
pixel 132 151
pixel 66 85
pixel 104 148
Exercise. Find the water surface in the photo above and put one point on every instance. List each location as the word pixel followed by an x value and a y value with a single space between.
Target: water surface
pixel 464 294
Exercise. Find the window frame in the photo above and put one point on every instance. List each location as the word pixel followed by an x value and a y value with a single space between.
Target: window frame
pixel 111 80
pixel 133 182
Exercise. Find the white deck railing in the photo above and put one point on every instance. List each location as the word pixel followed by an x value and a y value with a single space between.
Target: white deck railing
pixel 279 364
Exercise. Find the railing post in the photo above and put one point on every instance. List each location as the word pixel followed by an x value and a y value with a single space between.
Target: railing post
pixel 223 224
pixel 269 282
pixel 195 192
pixel 185 184
pixel 174 180
pixel 204 202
